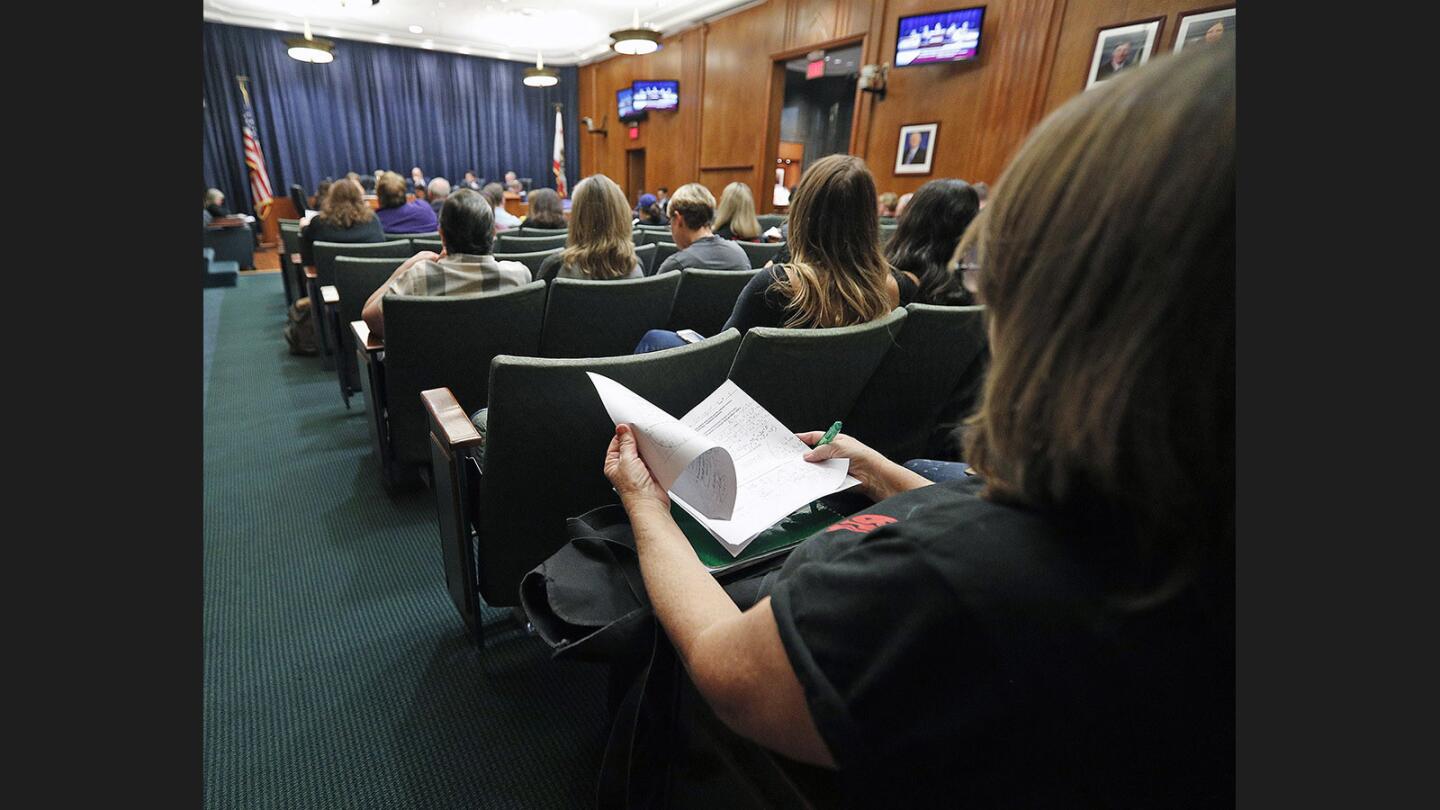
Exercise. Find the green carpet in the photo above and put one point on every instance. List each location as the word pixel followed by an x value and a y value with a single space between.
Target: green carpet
pixel 337 673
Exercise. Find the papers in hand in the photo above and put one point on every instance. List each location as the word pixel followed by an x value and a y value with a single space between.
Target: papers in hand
pixel 727 462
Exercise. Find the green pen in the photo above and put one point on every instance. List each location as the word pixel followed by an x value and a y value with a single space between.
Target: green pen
pixel 829 435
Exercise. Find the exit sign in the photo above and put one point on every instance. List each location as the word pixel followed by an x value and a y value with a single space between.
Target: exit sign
pixel 634 133
pixel 815 70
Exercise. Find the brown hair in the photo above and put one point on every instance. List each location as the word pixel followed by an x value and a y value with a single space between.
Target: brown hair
pixel 693 203
pixel 390 188
pixel 344 205
pixel 737 209
pixel 1106 263
pixel 599 244
pixel 545 209
pixel 836 275
pixel 888 201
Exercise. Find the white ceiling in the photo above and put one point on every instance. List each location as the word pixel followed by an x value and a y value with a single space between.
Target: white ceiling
pixel 568 32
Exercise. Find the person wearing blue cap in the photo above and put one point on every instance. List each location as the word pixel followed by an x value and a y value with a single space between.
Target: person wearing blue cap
pixel 648 211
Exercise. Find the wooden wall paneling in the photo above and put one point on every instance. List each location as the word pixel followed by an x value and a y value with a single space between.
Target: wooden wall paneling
pixel 739 97
pixel 870 54
pixel 1070 64
pixel 812 21
pixel 589 144
pixel 1012 97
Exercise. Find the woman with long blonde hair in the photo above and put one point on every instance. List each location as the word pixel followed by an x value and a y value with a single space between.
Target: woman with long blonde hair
pixel 836 275
pixel 735 216
pixel 599 245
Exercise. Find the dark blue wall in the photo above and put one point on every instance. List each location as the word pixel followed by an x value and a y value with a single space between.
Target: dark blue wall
pixel 376 107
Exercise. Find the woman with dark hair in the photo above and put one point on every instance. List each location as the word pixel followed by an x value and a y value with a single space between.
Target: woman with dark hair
pixel 835 274
pixel 343 217
pixel 926 236
pixel 1057 630
pixel 545 211
pixel 398 216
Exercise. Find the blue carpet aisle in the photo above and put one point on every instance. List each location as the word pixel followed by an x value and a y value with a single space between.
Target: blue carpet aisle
pixel 336 671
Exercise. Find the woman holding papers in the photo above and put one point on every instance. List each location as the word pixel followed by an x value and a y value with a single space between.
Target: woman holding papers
pixel 1058 630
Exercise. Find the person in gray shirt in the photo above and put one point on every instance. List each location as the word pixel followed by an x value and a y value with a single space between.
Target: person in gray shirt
pixel 692 209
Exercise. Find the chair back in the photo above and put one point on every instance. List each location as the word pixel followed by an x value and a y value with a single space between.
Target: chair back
pixel 297 196
pixel 646 255
pixel 663 251
pixel 505 243
pixel 526 230
pixel 292 224
pixel 356 279
pixel 604 318
pixel 532 260
pixel 325 253
pixel 886 233
pixel 447 341
pixel 808 378
pixel 651 237
pixel 638 237
pixel 545 440
pixel 925 385
pixel 768 221
pixel 426 243
pixel 706 298
pixel 760 252
pixel 435 235
pixel 289 241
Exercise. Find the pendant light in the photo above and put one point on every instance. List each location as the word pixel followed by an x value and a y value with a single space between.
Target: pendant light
pixel 541 76
pixel 312 50
pixel 635 40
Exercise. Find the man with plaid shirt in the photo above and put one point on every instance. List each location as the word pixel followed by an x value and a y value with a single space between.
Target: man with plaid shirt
pixel 466 266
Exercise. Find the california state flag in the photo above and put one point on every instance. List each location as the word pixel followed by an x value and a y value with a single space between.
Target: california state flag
pixel 557 160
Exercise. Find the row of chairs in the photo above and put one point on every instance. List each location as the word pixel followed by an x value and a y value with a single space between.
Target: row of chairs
pixel 503 496
pixel 448 341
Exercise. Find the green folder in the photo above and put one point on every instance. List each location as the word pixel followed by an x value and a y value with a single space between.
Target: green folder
pixel 808 520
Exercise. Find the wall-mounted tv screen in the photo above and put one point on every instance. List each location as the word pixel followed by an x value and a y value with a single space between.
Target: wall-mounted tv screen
pixel 656 95
pixel 623 103
pixel 949 36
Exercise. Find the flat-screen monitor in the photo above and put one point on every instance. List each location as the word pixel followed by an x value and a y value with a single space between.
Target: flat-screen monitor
pixel 949 36
pixel 622 102
pixel 656 95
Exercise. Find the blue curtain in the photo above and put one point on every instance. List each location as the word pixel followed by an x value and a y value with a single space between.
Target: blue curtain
pixel 377 107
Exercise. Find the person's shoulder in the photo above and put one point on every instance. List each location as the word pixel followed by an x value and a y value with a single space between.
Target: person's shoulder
pixel 513 266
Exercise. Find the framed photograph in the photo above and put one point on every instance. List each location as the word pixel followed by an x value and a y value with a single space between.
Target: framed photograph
pixel 1123 46
pixel 1205 25
pixel 917 148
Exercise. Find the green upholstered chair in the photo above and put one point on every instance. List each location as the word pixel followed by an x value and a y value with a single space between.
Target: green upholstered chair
pixel 706 298
pixel 760 252
pixel 356 279
pixel 324 255
pixel 532 260
pixel 507 243
pixel 663 251
pixel 602 318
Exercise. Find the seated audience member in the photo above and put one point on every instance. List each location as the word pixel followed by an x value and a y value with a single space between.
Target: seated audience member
pixel 1059 629
pixel 367 183
pixel 323 189
pixel 835 275
pixel 735 216
pixel 397 215
pixel 662 199
pixel 416 183
pixel 648 211
pixel 512 183
pixel 546 211
pixel 215 203
pixel 886 204
pixel 465 266
pixel 343 217
pixel 599 245
pixel 472 181
pixel 691 211
pixel 504 220
pixel 438 190
pixel 926 236
pixel 902 202
pixel 983 191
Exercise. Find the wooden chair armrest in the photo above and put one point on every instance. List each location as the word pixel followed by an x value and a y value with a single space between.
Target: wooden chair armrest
pixel 311 272
pixel 361 330
pixel 448 421
pixel 330 295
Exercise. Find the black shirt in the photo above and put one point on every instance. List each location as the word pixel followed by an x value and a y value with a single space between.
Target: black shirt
pixel 217 211
pixel 320 231
pixel 762 303
pixel 958 652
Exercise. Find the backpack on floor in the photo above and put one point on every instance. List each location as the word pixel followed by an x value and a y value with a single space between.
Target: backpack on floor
pixel 300 329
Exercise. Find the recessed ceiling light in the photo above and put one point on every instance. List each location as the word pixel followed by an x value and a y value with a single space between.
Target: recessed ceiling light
pixel 415 29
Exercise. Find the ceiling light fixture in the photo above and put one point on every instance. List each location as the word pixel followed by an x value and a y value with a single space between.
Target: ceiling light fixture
pixel 310 49
pixel 415 29
pixel 541 76
pixel 635 40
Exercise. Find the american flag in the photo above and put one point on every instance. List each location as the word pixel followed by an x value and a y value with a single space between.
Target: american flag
pixel 557 160
pixel 259 175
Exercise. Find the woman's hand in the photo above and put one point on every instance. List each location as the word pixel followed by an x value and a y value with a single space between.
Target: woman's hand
pixel 879 476
pixel 629 475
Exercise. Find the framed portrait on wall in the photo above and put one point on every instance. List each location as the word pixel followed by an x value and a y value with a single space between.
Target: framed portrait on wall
pixel 916 151
pixel 1205 25
pixel 1120 47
